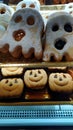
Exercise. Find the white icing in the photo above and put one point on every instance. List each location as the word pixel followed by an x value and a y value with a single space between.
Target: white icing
pixel 6 13
pixel 2 30
pixel 69 8
pixel 60 19
pixel 32 38
pixel 28 3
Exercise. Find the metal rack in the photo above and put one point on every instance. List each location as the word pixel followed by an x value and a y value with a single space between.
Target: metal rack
pixel 47 115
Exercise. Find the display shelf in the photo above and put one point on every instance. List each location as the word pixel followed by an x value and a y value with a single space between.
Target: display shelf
pixel 38 64
pixel 40 103
pixel 53 7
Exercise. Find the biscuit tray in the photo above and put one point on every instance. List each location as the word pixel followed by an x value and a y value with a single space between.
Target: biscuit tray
pixel 39 97
pixel 43 96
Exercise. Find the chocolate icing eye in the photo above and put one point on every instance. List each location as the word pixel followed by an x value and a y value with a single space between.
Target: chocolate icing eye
pixel 16 81
pixel 2 11
pixel 59 44
pixel 32 6
pixel 31 73
pixel 23 5
pixel 60 79
pixel 10 84
pixel 39 71
pixel 55 76
pixel 6 81
pixel 18 19
pixel 64 76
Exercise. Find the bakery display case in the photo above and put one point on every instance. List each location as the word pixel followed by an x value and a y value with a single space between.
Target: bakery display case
pixel 36 91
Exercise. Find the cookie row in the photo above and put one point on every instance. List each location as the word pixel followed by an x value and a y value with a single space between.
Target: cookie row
pixel 27 36
pixel 35 79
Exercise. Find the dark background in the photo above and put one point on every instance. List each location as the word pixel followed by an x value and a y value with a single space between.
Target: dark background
pixel 38 128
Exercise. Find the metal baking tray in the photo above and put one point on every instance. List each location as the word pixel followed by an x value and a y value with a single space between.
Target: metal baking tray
pixel 30 96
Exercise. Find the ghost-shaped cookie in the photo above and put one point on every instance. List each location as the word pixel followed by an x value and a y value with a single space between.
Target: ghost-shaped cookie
pixel 69 8
pixel 59 37
pixel 35 4
pixel 6 13
pixel 24 34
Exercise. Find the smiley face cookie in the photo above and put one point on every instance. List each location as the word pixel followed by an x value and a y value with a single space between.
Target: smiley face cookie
pixel 10 71
pixel 60 82
pixel 11 87
pixel 35 79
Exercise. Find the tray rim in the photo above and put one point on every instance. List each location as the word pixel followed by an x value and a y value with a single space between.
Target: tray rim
pixel 38 64
pixel 36 103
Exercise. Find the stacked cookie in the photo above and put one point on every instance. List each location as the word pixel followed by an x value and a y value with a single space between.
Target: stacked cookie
pixel 11 86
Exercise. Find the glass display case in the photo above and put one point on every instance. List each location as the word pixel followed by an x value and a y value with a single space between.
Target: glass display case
pixel 34 105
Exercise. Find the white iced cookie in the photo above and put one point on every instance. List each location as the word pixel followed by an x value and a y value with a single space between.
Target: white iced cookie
pixel 24 39
pixel 11 88
pixel 28 4
pixel 9 71
pixel 69 8
pixel 6 13
pixel 59 37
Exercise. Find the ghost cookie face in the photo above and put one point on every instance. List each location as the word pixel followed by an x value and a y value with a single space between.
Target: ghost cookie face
pixel 11 87
pixel 35 4
pixel 60 82
pixel 35 79
pixel 59 37
pixel 24 34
